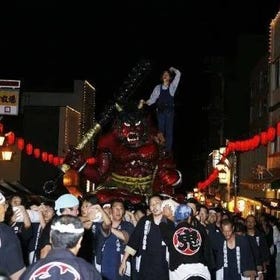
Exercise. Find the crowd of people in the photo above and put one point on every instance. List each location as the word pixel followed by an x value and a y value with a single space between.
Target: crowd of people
pixel 81 239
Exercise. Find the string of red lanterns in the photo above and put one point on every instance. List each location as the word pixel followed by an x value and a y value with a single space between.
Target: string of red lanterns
pixel 44 156
pixel 30 150
pixel 263 138
pixel 250 144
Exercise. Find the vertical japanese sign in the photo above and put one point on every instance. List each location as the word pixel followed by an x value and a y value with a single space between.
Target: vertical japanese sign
pixel 9 97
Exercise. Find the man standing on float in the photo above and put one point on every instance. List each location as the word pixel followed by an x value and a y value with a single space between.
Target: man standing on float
pixel 163 97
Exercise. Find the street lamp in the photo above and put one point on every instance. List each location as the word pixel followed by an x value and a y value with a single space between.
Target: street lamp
pixel 6 153
pixel 234 179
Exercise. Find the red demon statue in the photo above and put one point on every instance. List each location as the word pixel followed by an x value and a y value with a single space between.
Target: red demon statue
pixel 130 159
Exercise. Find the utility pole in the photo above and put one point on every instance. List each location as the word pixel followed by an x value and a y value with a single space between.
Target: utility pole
pixel 234 178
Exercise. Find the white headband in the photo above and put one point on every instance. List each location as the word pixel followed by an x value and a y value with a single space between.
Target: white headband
pixel 70 228
pixel 106 205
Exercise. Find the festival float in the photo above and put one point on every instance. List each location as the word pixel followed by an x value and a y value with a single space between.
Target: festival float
pixel 129 161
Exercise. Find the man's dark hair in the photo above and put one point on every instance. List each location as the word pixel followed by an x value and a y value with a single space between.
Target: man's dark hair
pixel 200 206
pixel 117 200
pixel 66 230
pixel 152 196
pixel 49 203
pixel 91 198
pixel 227 222
pixel 240 227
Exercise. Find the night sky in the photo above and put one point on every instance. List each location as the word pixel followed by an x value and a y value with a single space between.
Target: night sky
pixel 48 45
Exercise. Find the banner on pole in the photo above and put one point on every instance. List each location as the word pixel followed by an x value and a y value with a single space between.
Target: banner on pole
pixel 9 97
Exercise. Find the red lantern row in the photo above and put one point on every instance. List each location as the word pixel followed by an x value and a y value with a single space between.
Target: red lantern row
pixel 212 177
pixel 30 150
pixel 45 157
pixel 37 153
pixel 263 138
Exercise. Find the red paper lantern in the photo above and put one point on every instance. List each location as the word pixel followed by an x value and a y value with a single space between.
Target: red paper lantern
pixel 10 136
pixel 245 145
pixel 29 149
pixel 251 144
pixel 91 160
pixel 56 161
pixel 241 145
pixel 271 133
pixel 44 156
pixel 257 140
pixel 37 153
pixel 50 158
pixel 264 138
pixel 20 143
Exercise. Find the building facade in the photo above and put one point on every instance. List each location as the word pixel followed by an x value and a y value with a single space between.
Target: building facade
pixel 52 122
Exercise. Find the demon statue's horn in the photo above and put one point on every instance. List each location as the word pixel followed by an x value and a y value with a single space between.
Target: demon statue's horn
pixel 134 79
